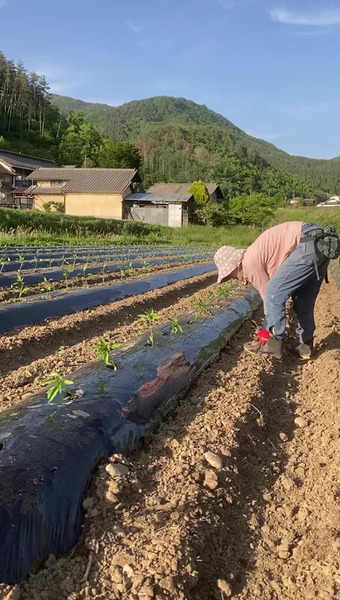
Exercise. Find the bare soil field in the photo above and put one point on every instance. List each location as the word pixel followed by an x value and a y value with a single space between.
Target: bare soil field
pixel 237 495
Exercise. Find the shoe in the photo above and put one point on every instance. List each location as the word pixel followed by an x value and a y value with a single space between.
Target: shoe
pixel 305 350
pixel 272 348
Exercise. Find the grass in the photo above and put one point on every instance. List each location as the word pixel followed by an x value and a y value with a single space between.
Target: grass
pixel 321 216
pixel 60 230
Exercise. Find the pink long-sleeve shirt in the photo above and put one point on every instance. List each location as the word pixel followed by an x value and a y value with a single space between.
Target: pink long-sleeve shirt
pixel 264 257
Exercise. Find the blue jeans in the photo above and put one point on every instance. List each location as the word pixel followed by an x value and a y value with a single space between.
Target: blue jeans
pixel 299 277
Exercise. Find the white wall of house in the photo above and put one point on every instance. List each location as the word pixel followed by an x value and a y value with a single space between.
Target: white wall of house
pixel 175 215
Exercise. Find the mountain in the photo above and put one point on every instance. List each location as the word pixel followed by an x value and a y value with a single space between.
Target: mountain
pixel 143 121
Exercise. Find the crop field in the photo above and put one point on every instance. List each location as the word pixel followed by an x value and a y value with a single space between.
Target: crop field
pixel 143 453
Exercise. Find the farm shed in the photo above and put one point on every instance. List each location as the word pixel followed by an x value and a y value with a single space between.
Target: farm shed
pixel 84 192
pixel 214 190
pixel 174 210
pixel 14 171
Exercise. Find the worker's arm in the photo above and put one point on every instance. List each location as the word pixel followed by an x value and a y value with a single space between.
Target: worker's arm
pixel 259 280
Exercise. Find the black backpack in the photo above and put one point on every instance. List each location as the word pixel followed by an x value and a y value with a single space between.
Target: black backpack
pixel 328 242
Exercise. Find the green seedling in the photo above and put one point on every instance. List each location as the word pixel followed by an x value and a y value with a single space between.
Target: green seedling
pixel 21 261
pixel 127 271
pixel 175 326
pixel 20 284
pixel 103 350
pixel 224 291
pixel 84 270
pixel 102 270
pixel 146 266
pixel 34 261
pixel 150 319
pixel 3 261
pixel 66 273
pixel 57 385
pixel 46 285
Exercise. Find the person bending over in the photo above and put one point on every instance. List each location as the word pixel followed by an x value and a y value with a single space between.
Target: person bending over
pixel 286 261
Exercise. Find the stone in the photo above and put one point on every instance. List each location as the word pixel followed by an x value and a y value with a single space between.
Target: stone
pixel 300 422
pixel 284 554
pixel 283 437
pixel 167 583
pixel 210 479
pixel 111 497
pixel 117 470
pixel 146 592
pixel 225 587
pixel 214 460
pixel 128 570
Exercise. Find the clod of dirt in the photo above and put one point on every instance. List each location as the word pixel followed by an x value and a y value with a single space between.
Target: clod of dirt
pixel 300 422
pixel 225 588
pixel 88 503
pixel 210 479
pixel 117 470
pixel 214 460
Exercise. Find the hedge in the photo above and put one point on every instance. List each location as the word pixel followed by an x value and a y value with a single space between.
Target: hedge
pixel 11 220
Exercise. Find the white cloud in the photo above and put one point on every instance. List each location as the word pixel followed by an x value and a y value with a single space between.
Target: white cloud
pixel 311 19
pixel 134 27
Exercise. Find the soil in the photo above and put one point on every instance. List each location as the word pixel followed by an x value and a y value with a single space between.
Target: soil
pixel 264 525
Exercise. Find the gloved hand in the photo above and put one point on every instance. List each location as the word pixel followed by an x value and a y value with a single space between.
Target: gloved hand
pixel 263 336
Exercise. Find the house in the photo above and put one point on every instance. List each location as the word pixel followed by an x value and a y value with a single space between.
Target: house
pixel 332 202
pixel 83 192
pixel 172 209
pixel 214 190
pixel 14 171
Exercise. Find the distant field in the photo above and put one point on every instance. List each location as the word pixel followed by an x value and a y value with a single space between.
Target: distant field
pixel 322 216
pixel 38 229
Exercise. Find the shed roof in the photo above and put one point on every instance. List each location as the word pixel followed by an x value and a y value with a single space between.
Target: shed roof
pixel 182 188
pixel 24 161
pixel 87 180
pixel 159 198
pixel 5 167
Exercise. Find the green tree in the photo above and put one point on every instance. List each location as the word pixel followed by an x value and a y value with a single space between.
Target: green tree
pixel 255 209
pixel 81 143
pixel 119 155
pixel 199 190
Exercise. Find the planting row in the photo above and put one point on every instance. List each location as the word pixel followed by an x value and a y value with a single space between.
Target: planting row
pixel 19 261
pixel 49 449
pixel 21 280
pixel 61 303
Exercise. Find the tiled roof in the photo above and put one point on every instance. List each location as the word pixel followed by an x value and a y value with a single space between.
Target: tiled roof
pixel 40 190
pixel 89 180
pixel 159 198
pixel 179 188
pixel 24 161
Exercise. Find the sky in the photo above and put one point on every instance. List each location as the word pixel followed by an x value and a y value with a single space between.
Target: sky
pixel 270 67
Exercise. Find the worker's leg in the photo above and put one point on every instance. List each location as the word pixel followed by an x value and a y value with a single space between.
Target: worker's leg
pixel 304 303
pixel 298 270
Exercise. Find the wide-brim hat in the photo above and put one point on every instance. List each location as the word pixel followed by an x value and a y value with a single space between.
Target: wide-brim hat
pixel 226 260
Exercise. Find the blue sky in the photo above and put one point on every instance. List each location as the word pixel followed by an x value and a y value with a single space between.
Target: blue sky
pixel 271 67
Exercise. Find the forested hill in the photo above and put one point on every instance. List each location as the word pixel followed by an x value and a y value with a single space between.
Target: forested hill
pixel 142 120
